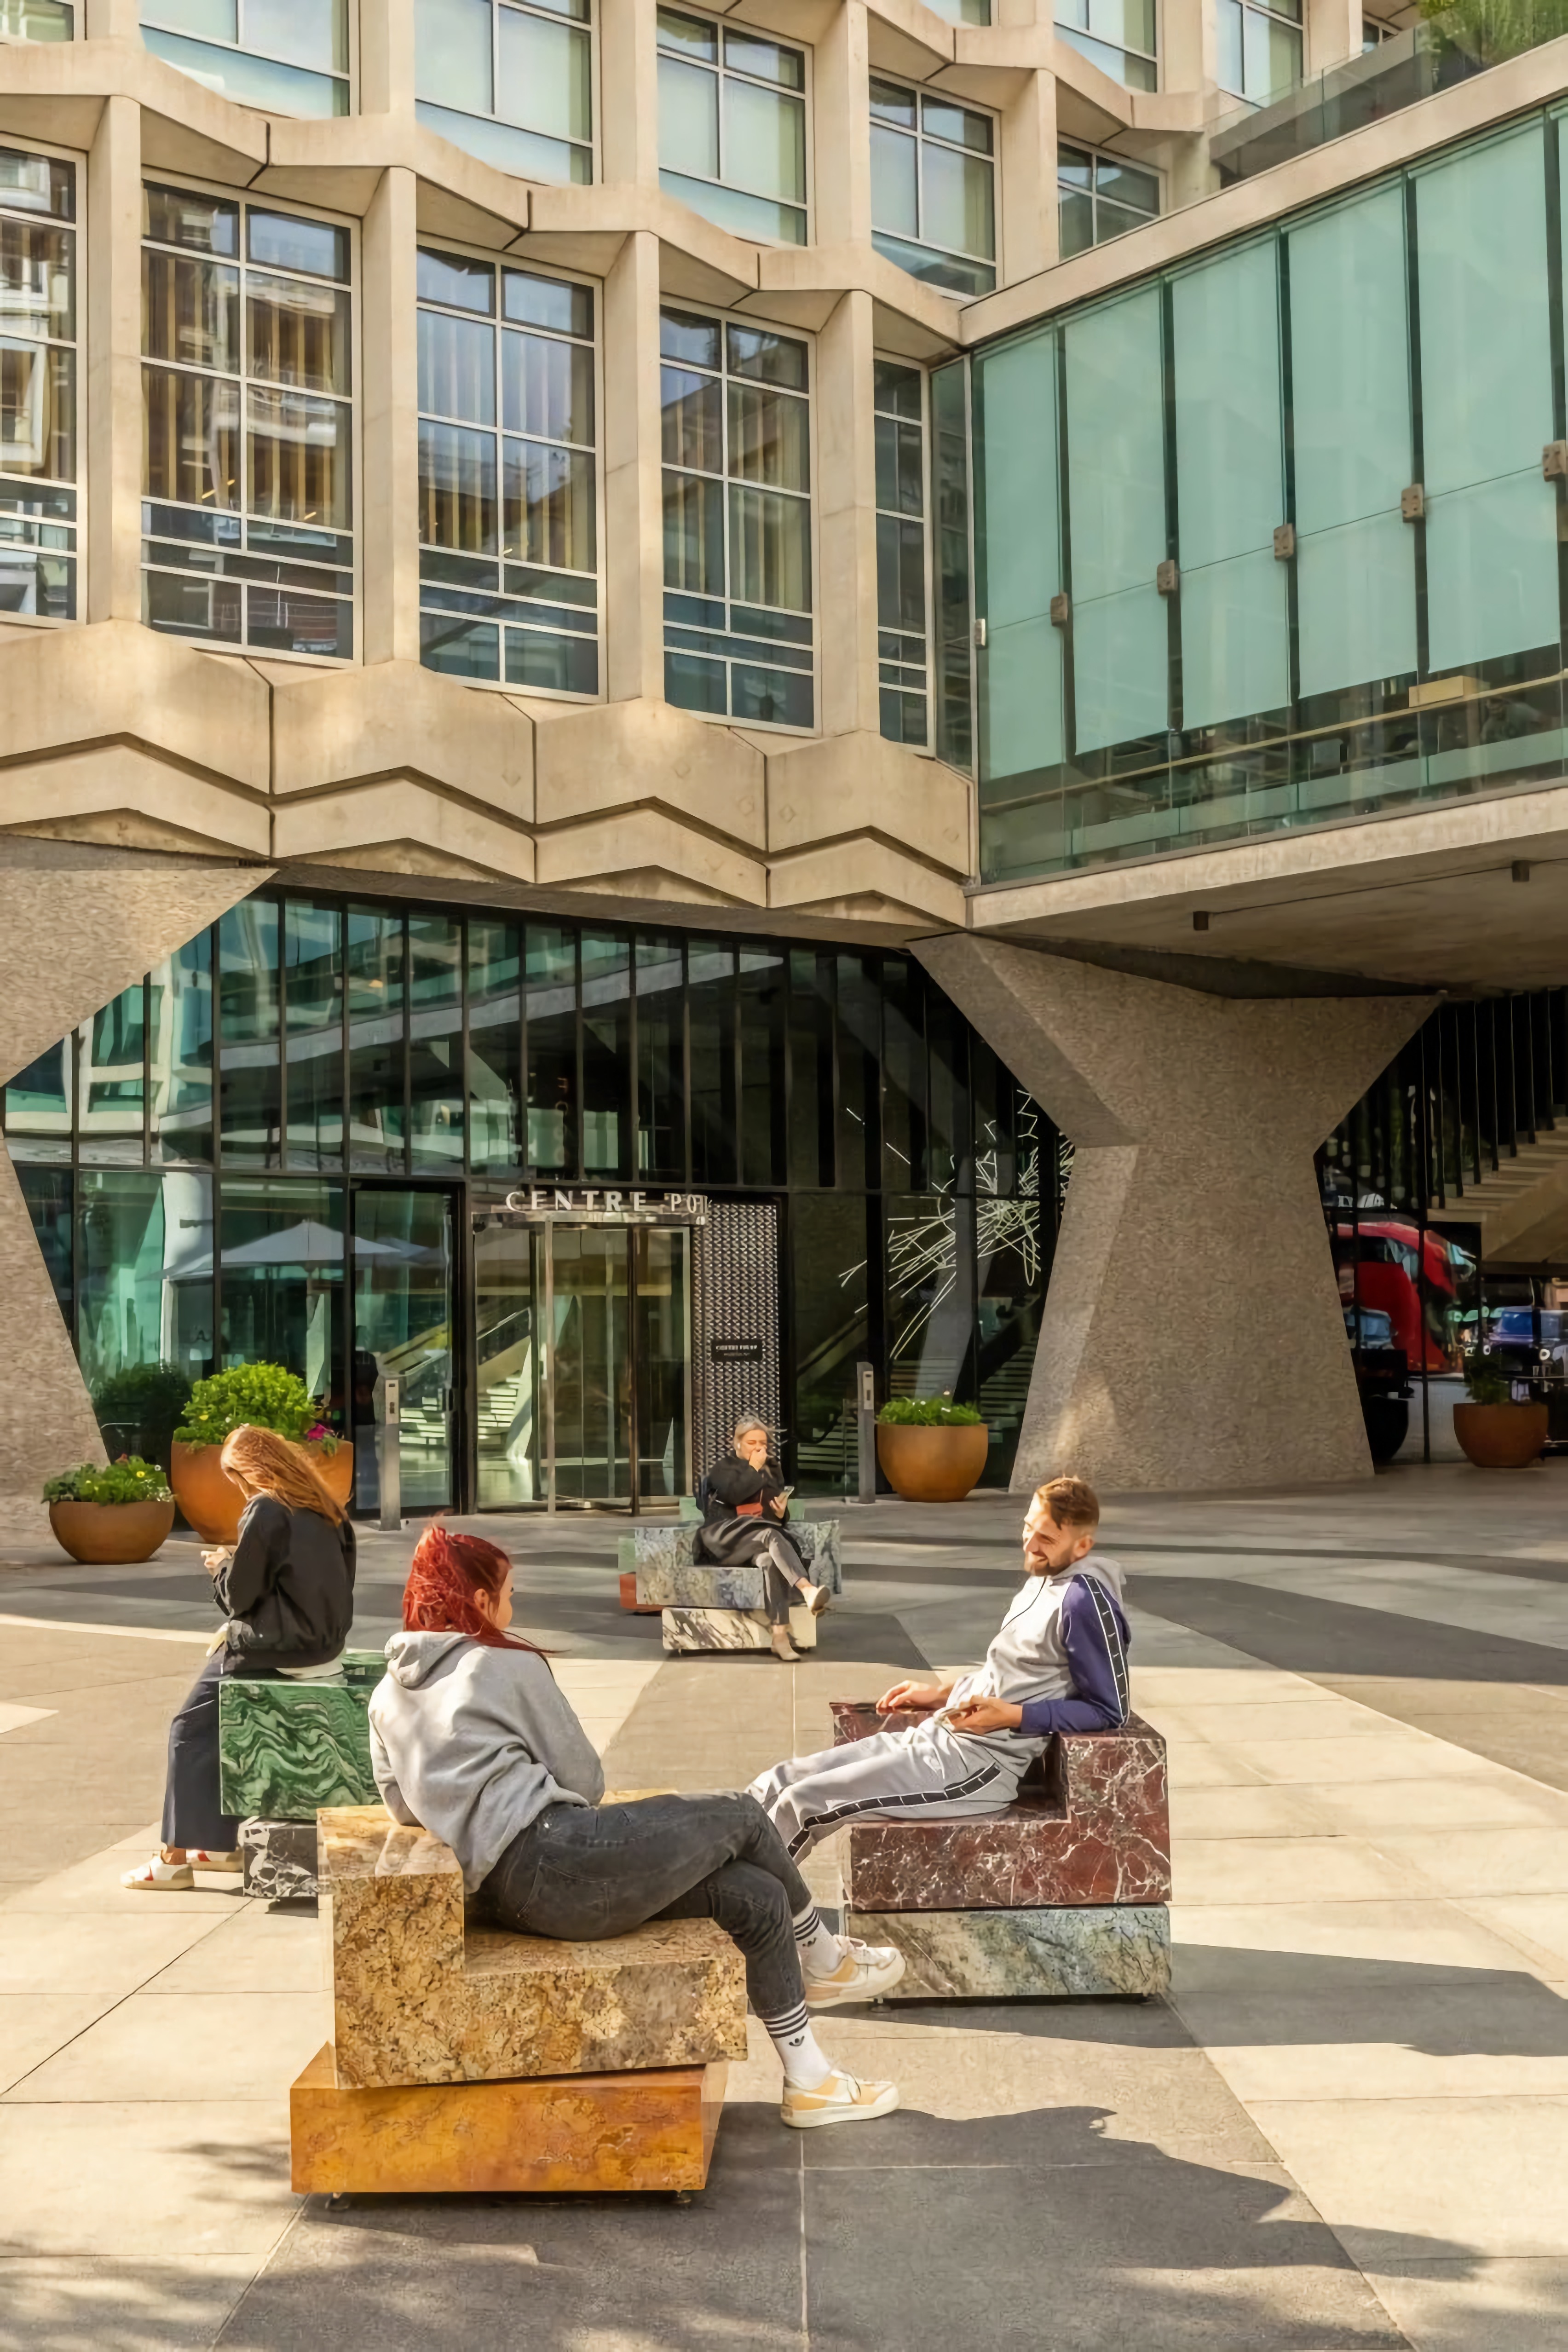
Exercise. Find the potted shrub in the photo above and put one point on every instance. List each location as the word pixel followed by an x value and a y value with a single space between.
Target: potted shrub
pixel 113 1514
pixel 1495 1433
pixel 930 1450
pixel 267 1397
pixel 139 1409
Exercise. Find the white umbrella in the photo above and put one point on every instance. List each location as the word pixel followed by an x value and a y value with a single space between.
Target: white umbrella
pixel 307 1244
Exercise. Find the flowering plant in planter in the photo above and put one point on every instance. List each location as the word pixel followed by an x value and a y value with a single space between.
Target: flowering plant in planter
pixel 263 1396
pixel 128 1480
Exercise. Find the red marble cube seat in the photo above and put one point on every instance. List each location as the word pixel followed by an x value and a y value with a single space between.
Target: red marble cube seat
pixel 1091 1825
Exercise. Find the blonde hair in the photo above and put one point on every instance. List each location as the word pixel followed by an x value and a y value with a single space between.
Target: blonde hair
pixel 1071 1502
pixel 275 1466
pixel 744 1426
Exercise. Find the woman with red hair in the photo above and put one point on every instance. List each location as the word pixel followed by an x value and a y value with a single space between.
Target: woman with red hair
pixel 471 1738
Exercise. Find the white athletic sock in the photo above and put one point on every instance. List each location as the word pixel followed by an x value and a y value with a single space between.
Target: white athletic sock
pixel 804 2067
pixel 820 1949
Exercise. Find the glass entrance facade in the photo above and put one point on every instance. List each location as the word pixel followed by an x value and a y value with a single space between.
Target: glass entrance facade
pixel 286 1142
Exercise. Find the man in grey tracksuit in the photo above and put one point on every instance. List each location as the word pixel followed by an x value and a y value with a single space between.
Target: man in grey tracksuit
pixel 1058 1664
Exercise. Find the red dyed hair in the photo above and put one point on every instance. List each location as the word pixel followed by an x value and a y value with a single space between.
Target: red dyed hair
pixel 446 1571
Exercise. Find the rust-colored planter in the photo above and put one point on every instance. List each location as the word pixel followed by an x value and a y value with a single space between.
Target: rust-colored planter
pixel 336 1471
pixel 213 1503
pixel 1500 1437
pixel 112 1534
pixel 932 1465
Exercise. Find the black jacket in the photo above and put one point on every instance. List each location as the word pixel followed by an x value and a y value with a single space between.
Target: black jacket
pixel 733 1481
pixel 289 1591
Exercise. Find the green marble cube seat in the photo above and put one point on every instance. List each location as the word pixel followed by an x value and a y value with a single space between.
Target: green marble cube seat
pixel 1076 1952
pixel 420 1993
pixel 286 1748
pixel 671 1573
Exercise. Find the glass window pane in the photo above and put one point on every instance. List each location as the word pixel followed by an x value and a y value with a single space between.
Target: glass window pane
pixel 495 1045
pixel 110 1081
pixel 1233 642
pixel 463 285
pixel 437 1084
pixel 298 333
pixel 145 1268
pixel 1228 28
pixel 1486 373
pixel 891 103
pixel 250 1108
pixel 456 368
pixel 662 1056
pixel 694 536
pixel 1116 440
pixel 748 53
pixel 1018 555
pixel 689 36
pixel 284 241
pixel 36 184
pixel 378 1113
pixel 682 336
pixel 549 388
pixel 1350 361
pixel 1355 603
pixel 457 489
pixel 693 414
pixel 1121 668
pixel 1231 472
pixel 200 224
pixel 959 124
pixel 1074 215
pixel 606 1047
pixel 762 1095
pixel 1491 570
pixel 1124 184
pixel 36 1101
pixel 765 141
pixel 535 302
pixel 180 1053
pixel 190 310
pixel 548 505
pixel 37 410
pixel 957 202
pixel 551 990
pixel 1075 170
pixel 900 574
pixel 313 1044
pixel 895 204
pixel 1130 24
pixel 687 118
pixel 768 358
pixel 37 279
pixel 298 456
pixel 711 998
pixel 770 549
pixel 306 32
pixel 453 63
pixel 190 437
pixel 897 389
pixel 769 437
pixel 543 76
pixel 282 1253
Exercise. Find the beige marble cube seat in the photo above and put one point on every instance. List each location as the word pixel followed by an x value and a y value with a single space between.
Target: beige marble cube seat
pixel 420 1995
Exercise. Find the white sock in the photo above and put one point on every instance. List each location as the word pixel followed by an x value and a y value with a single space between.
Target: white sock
pixel 820 1950
pixel 805 2066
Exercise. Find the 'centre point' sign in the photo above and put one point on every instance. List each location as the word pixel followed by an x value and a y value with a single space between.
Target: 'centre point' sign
pixel 580 1204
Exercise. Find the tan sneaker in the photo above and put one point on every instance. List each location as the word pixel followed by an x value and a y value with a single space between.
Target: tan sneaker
pixel 865 1973
pixel 816 1598
pixel 783 1647
pixel 840 2100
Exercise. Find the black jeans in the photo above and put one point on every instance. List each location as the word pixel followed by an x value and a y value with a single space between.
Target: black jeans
pixel 579 1871
pixel 749 1539
pixel 191 1814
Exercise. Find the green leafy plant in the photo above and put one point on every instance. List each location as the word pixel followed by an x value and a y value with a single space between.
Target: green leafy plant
pixel 263 1396
pixel 927 1413
pixel 141 1406
pixel 128 1480
pixel 1484 1382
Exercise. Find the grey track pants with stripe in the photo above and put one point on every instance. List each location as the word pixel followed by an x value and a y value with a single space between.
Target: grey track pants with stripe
pixel 920 1775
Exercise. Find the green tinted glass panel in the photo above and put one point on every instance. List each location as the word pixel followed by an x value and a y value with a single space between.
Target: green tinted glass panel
pixel 1230 488
pixel 1491 570
pixel 1355 603
pixel 1233 644
pixel 1116 444
pixel 1350 361
pixel 1486 359
pixel 1120 662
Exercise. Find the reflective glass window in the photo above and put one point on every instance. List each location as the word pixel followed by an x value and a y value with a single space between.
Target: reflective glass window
pixel 1116 435
pixel 250 1105
pixel 180 1053
pixel 549 996
pixel 38 385
pixel 314 1004
pixel 1100 197
pixel 288 56
pixel 1259 48
pixel 661 1056
pixel 495 1045
pixel 437 1083
pixel 903 656
pixel 1119 37
pixel 606 1052
pixel 934 187
pixel 511 84
pixel 711 969
pixel 112 1088
pixel 731 126
pixel 247 521
pixel 1017 528
pixel 375 959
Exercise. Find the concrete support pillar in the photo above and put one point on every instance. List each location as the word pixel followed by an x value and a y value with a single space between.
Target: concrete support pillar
pixel 389 410
pixel 57 969
pixel 841 136
pixel 1332 33
pixel 386 35
pixel 628 92
pixel 1193 1335
pixel 634 522
pixel 1030 231
pixel 114 364
pixel 847 516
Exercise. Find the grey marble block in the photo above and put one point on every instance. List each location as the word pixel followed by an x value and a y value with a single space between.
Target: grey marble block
pixel 280 1859
pixel 1098 1949
pixel 690 1630
pixel 671 1576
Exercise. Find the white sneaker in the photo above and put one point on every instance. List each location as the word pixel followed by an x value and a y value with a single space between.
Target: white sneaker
pixel 816 1598
pixel 866 1971
pixel 840 2100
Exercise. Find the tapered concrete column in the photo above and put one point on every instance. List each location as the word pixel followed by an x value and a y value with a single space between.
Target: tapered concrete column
pixel 841 141
pixel 634 521
pixel 57 966
pixel 113 437
pixel 389 407
pixel 1193 1335
pixel 628 92
pixel 386 35
pixel 847 516
pixel 1030 226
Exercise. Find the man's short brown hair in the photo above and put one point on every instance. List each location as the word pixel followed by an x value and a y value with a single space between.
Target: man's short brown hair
pixel 1071 1502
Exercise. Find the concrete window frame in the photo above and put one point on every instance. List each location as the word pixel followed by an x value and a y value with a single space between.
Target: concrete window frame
pixel 348 228
pixel 520 264
pixel 70 534
pixel 722 27
pixel 692 628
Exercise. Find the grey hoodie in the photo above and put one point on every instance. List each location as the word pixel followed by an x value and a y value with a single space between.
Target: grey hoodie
pixel 472 1743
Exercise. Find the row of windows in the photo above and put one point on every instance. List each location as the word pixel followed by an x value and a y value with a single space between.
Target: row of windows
pixel 512 82
pixel 248 520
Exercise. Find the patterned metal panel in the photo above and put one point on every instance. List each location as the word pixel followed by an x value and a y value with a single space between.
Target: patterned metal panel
pixel 735 1303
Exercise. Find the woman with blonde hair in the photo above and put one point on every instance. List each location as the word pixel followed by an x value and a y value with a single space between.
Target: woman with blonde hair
pixel 287 1593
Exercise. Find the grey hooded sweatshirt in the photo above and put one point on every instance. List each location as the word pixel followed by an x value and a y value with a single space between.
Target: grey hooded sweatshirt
pixel 472 1743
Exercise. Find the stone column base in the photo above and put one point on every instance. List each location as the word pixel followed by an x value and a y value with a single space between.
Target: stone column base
pixel 1096 1950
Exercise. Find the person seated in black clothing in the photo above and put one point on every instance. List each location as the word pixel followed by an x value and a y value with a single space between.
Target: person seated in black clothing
pixel 747 1504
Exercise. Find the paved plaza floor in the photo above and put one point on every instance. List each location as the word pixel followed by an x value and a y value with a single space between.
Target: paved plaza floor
pixel 1348 2128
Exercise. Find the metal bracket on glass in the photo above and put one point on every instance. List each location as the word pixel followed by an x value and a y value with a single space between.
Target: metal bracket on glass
pixel 980 637
pixel 1413 502
pixel 1554 461
pixel 1061 609
pixel 1284 542
pixel 1167 577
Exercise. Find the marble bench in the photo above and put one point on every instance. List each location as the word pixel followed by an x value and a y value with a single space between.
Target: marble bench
pixel 708 1605
pixel 463 2058
pixel 285 1750
pixel 1063 1893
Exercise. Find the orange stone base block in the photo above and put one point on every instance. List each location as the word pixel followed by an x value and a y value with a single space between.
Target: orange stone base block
pixel 654 2130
